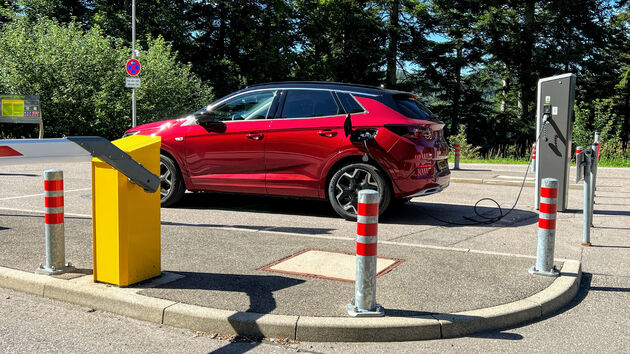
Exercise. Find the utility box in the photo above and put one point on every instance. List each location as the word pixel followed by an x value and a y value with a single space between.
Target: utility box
pixel 554 121
pixel 126 218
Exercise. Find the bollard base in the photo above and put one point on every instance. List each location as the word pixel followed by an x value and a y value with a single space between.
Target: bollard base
pixel 586 244
pixel 554 272
pixel 354 311
pixel 43 270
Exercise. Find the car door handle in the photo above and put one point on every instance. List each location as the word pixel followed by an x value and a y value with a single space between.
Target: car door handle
pixel 255 136
pixel 327 133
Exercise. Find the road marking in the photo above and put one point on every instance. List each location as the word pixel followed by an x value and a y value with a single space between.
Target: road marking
pixel 338 238
pixel 42 194
pixel 43 212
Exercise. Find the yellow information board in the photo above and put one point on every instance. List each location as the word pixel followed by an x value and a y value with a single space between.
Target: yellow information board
pixel 13 108
pixel 20 109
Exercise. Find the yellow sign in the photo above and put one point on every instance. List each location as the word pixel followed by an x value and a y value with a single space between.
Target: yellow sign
pixel 13 108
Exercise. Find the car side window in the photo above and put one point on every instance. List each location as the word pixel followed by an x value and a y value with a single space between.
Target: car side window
pixel 310 103
pixel 349 103
pixel 254 105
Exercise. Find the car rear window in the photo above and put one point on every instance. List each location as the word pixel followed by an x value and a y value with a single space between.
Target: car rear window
pixel 349 103
pixel 310 103
pixel 412 108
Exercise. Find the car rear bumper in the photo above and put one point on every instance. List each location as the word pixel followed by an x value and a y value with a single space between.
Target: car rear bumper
pixel 419 185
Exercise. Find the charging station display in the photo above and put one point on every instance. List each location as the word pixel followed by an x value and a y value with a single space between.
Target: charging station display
pixel 554 122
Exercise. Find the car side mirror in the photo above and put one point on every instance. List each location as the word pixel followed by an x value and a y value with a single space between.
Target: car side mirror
pixel 206 117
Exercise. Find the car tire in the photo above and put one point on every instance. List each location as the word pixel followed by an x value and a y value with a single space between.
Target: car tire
pixel 172 186
pixel 345 184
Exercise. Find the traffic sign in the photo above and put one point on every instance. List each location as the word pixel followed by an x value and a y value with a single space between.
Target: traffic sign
pixel 133 67
pixel 132 82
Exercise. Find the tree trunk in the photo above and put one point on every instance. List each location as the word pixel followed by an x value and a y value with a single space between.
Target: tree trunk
pixel 392 53
pixel 457 92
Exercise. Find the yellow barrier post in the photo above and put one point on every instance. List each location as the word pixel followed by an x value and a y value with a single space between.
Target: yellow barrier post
pixel 126 219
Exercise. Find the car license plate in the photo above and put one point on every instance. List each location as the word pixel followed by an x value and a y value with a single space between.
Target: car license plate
pixel 442 165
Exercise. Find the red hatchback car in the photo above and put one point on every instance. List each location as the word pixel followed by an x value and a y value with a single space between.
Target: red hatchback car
pixel 318 140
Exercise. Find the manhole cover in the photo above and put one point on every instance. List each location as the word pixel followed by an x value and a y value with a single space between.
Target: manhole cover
pixel 327 265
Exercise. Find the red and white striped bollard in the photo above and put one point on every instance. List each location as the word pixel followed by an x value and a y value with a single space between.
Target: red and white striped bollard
pixel 534 157
pixel 54 225
pixel 546 228
pixel 458 150
pixel 364 303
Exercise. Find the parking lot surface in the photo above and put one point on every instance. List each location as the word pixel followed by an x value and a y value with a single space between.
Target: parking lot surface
pixel 217 244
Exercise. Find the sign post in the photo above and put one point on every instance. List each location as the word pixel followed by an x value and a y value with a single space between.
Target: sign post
pixel 21 109
pixel 133 58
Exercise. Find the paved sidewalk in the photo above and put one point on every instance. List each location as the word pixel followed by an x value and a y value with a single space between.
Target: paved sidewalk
pixel 452 281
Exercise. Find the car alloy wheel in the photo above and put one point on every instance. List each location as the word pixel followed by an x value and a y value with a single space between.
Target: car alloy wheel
pixel 344 187
pixel 171 184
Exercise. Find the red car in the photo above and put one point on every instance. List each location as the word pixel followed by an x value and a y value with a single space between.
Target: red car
pixel 318 140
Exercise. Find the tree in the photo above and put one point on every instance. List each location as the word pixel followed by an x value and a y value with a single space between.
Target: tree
pixel 79 75
pixel 340 40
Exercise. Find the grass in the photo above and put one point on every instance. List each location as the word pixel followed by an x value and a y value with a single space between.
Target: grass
pixel 608 162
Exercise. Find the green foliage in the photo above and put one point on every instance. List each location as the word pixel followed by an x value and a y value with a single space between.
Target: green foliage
pixel 79 75
pixel 468 151
pixel 598 116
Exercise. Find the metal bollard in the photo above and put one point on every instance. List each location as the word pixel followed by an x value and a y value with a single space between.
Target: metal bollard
pixel 458 149
pixel 594 162
pixel 364 302
pixel 588 178
pixel 546 229
pixel 533 157
pixel 54 225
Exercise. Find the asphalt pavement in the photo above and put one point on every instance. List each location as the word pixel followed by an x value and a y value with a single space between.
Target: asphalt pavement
pixel 452 280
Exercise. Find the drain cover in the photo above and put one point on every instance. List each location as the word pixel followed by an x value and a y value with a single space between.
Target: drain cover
pixel 327 265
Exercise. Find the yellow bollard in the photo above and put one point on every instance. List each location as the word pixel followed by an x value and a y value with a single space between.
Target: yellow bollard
pixel 126 219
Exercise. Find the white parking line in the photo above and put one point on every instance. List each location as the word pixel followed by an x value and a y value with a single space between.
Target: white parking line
pixel 42 194
pixel 339 238
pixel 43 212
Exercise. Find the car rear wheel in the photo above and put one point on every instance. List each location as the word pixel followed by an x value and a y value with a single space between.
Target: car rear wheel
pixel 345 184
pixel 172 186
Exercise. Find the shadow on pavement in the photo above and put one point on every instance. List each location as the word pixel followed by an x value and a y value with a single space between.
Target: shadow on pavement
pixel 258 288
pixel 453 215
pixel 293 230
pixel 611 212
pixel 411 213
pixel 255 204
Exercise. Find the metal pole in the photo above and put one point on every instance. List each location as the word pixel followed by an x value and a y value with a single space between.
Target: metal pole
pixel 54 225
pixel 364 303
pixel 546 229
pixel 593 181
pixel 133 56
pixel 586 237
pixel 458 149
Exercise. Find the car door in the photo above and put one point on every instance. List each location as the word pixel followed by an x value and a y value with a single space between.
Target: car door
pixel 228 155
pixel 306 131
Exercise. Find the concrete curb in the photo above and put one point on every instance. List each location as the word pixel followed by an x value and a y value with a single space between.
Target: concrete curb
pixel 126 301
pixel 503 183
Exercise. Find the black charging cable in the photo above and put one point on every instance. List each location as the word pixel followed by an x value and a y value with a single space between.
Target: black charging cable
pixel 484 219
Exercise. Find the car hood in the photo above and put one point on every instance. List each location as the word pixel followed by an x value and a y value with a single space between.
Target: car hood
pixel 162 126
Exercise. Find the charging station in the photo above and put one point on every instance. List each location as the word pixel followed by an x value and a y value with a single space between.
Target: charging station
pixel 554 122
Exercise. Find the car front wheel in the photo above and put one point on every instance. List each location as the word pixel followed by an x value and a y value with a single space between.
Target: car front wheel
pixel 345 184
pixel 172 186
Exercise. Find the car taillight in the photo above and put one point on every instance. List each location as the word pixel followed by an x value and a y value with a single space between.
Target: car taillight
pixel 411 131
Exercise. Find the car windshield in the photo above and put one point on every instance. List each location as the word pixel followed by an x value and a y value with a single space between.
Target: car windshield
pixel 412 108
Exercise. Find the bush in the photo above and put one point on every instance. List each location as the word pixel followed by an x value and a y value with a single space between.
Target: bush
pixel 79 75
pixel 468 151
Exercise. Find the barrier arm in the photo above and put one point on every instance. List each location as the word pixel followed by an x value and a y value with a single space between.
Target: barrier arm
pixel 77 149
